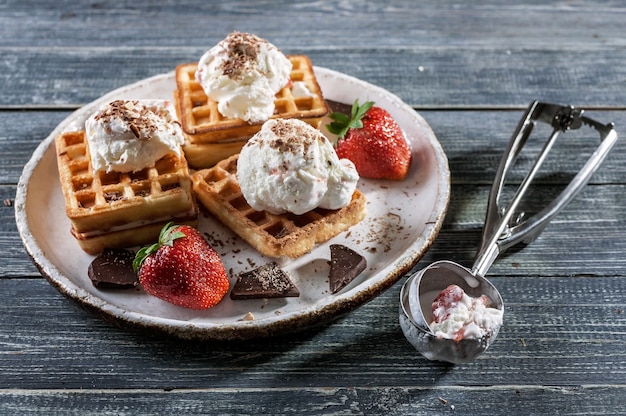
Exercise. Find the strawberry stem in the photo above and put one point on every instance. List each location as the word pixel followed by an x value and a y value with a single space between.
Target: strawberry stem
pixel 168 234
pixel 342 123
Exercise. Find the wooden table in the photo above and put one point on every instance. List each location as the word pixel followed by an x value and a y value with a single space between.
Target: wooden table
pixel 470 69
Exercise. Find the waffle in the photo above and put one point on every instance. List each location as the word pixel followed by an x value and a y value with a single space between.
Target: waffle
pixel 121 209
pixel 288 234
pixel 211 137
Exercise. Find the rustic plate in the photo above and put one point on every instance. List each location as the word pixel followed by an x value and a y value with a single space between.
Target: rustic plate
pixel 403 219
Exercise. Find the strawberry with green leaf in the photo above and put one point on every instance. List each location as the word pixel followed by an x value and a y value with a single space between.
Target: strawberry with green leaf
pixel 373 141
pixel 182 268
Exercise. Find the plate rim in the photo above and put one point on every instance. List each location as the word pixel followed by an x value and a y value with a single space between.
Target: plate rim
pixel 305 318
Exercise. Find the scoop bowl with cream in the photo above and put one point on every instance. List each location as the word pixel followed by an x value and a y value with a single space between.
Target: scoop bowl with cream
pixel 456 315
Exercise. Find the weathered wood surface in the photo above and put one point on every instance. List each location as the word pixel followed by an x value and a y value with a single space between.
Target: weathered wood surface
pixel 470 68
pixel 424 78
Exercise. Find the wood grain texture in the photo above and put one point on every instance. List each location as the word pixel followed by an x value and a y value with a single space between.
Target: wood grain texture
pixel 364 348
pixel 327 24
pixel 336 401
pixel 470 69
pixel 425 78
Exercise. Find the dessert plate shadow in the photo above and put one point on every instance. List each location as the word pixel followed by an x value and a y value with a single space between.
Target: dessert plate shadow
pixel 403 219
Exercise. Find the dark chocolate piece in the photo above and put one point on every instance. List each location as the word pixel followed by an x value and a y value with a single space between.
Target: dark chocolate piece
pixel 267 281
pixel 345 265
pixel 113 269
pixel 337 107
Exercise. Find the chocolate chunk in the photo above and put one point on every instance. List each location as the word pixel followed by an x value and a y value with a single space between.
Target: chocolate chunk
pixel 345 265
pixel 113 269
pixel 267 281
pixel 337 107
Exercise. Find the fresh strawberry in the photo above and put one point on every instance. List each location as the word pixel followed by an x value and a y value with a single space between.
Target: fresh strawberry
pixel 182 268
pixel 373 141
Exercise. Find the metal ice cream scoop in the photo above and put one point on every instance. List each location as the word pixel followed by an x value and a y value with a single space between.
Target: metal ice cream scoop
pixel 501 231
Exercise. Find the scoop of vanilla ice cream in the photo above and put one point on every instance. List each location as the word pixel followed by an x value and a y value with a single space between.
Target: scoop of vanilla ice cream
pixel 243 73
pixel 130 135
pixel 289 166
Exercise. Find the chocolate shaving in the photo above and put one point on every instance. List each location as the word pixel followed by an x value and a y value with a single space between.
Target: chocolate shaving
pixel 242 49
pixel 135 114
pixel 135 130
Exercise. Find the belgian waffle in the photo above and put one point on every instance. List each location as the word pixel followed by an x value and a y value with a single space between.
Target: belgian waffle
pixel 217 189
pixel 206 130
pixel 121 209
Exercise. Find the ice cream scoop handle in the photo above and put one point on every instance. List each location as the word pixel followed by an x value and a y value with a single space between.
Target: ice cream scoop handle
pixel 500 232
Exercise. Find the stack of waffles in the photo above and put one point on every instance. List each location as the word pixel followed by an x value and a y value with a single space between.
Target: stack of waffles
pixel 110 209
pixel 210 137
pixel 113 209
pixel 287 234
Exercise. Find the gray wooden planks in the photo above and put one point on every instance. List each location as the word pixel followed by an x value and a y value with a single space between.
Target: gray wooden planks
pixel 563 321
pixel 425 78
pixel 470 69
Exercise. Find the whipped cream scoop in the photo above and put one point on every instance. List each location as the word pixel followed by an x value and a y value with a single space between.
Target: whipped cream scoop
pixel 456 315
pixel 289 166
pixel 130 135
pixel 243 73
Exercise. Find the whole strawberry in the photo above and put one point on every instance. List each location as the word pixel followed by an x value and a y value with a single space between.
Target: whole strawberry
pixel 373 141
pixel 182 268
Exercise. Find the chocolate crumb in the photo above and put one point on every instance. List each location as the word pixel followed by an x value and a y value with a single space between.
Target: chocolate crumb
pixel 248 317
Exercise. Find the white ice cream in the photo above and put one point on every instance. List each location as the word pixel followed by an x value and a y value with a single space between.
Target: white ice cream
pixel 289 166
pixel 129 135
pixel 457 315
pixel 243 73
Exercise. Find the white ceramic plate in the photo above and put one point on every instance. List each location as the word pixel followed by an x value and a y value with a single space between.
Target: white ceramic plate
pixel 403 219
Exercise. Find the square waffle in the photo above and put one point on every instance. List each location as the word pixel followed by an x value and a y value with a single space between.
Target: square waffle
pixel 211 137
pixel 121 209
pixel 217 189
